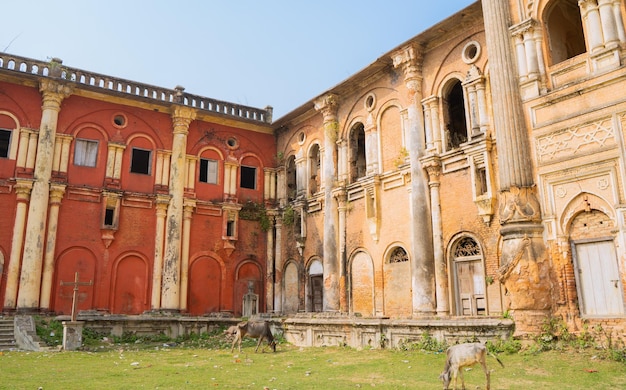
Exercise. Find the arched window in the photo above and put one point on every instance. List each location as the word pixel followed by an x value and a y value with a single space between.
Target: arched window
pixel 357 152
pixel 292 190
pixel 456 125
pixel 565 30
pixel 314 169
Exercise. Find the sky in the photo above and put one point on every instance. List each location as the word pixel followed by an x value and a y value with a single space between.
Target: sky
pixel 280 53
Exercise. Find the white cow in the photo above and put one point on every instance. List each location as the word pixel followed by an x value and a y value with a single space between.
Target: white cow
pixel 465 355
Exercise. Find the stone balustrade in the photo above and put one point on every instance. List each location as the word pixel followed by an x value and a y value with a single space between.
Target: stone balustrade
pixel 55 69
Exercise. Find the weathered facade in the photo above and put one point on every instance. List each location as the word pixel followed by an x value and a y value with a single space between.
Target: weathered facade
pixel 151 194
pixel 476 171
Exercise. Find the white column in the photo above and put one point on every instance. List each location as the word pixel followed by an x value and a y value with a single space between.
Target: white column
pixel 328 106
pixel 522 62
pixel 441 277
pixel 609 28
pixel 32 261
pixel 278 268
pixel 619 21
pixel 22 191
pixel 409 59
pixel 591 16
pixel 530 48
pixel 56 195
pixel 189 205
pixel 170 293
pixel 157 270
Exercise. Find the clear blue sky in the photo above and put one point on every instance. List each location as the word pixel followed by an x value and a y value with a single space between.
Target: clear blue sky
pixel 274 52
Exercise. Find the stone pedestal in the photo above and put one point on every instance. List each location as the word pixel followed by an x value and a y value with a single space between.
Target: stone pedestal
pixel 72 335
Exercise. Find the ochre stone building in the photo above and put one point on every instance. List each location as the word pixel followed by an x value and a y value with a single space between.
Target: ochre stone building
pixel 476 170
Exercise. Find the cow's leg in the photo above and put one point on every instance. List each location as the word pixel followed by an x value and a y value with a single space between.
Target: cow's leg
pixel 487 374
pixel 258 344
pixel 232 347
pixel 454 374
pixel 462 379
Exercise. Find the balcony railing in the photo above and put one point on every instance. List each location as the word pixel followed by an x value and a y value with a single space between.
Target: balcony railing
pixel 55 69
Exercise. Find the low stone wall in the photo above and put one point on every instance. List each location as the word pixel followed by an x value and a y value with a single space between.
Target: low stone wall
pixel 317 331
pixel 147 324
pixel 312 329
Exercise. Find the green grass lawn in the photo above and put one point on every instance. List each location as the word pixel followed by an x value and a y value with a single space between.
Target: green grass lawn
pixel 134 366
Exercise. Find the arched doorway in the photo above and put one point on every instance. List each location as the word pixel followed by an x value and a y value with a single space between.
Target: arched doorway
pixel 315 288
pixel 362 284
pixel 596 268
pixel 205 286
pixel 397 299
pixel 130 286
pixel 468 273
pixel 291 304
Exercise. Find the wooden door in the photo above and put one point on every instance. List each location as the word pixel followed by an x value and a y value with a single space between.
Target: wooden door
pixel 470 283
pixel 599 285
pixel 317 292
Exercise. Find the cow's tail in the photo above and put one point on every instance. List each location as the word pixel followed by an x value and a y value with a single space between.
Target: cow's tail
pixel 495 357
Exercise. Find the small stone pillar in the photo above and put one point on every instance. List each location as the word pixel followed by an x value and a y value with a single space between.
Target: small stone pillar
pixel 72 335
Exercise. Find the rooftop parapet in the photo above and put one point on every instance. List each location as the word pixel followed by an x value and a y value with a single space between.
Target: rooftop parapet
pixel 55 69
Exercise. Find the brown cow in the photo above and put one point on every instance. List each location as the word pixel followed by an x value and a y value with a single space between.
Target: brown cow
pixel 258 329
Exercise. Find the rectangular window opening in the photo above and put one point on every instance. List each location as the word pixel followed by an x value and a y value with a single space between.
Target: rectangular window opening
pixel 85 153
pixel 140 161
pixel 248 177
pixel 5 142
pixel 208 171
pixel 481 181
pixel 230 229
pixel 109 215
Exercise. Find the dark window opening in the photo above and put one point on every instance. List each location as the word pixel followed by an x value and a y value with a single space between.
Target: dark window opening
pixel 292 190
pixel 456 127
pixel 248 177
pixel 5 142
pixel 208 171
pixel 357 152
pixel 230 229
pixel 140 161
pixel 109 215
pixel 565 30
pixel 481 181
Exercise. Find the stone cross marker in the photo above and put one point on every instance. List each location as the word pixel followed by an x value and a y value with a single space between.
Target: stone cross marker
pixel 75 283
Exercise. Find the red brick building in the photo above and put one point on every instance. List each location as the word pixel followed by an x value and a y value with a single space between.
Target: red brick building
pixel 154 195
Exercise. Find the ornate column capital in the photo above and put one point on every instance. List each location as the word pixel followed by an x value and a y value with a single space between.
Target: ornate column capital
pixel 53 93
pixel 409 59
pixel 23 188
pixel 433 167
pixel 328 106
pixel 181 118
pixel 56 193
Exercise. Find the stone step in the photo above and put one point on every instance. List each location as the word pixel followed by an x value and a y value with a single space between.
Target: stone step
pixel 7 337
